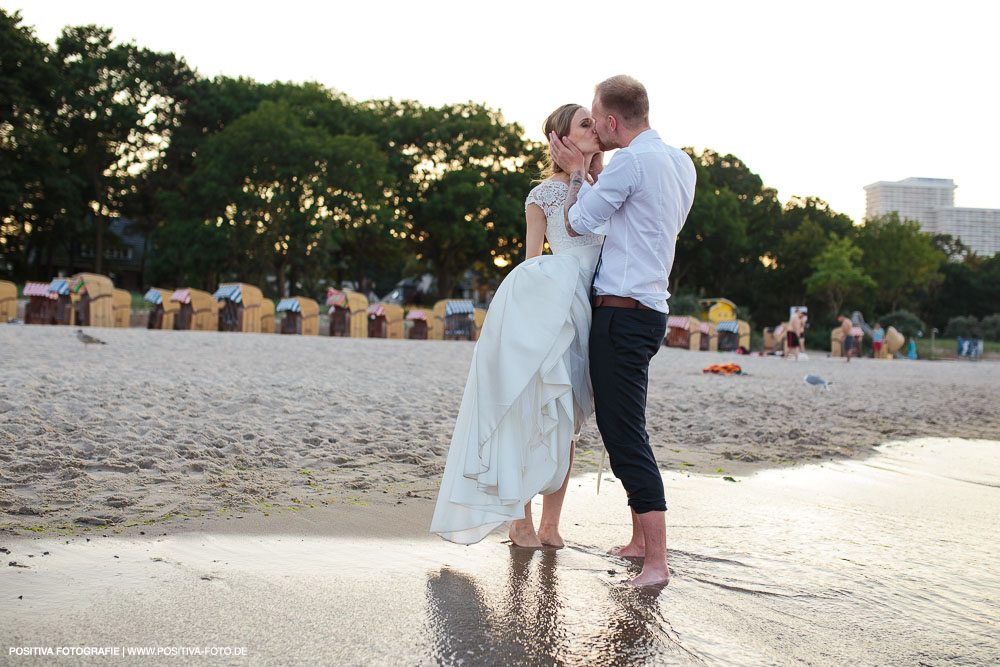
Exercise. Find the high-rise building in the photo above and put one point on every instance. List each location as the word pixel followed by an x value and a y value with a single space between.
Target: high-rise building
pixel 931 202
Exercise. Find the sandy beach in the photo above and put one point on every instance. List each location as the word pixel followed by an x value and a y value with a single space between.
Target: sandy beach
pixel 160 426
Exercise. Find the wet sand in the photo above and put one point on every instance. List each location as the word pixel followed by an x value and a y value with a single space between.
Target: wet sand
pixel 890 560
pixel 196 428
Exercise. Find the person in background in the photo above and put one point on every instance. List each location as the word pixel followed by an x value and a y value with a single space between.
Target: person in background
pixel 848 344
pixel 878 337
pixel 911 350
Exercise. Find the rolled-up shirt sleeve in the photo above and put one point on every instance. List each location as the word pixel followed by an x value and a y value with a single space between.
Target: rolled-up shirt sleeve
pixel 596 204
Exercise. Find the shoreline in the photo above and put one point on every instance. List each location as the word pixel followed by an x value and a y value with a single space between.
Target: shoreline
pixel 170 430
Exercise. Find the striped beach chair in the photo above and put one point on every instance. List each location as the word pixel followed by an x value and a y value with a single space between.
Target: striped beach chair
pixel 41 306
pixel 418 324
pixel 301 316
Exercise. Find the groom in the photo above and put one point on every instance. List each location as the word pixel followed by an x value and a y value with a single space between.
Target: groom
pixel 639 202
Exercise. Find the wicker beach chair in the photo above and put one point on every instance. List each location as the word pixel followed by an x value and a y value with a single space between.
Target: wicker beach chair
pixel 683 331
pixel 94 304
pixel 198 311
pixel 239 307
pixel 41 305
pixel 301 316
pixel 348 313
pixel 478 320
pixel 385 320
pixel 8 301
pixel 418 324
pixel 709 337
pixel 454 319
pixel 892 344
pixel 733 334
pixel 63 310
pixel 121 308
pixel 161 315
pixel 266 316
pixel 774 339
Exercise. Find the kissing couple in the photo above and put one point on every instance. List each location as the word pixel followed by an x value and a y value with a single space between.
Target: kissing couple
pixel 572 333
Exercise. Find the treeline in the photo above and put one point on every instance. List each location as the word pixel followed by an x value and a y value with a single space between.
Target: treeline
pixel 295 186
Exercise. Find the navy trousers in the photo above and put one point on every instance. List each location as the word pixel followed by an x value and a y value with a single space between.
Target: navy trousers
pixel 622 341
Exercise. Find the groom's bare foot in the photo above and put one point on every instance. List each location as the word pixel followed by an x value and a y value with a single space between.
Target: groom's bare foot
pixel 522 533
pixel 630 550
pixel 549 535
pixel 657 575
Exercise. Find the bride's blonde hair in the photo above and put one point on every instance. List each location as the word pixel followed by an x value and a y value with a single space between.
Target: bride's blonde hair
pixel 559 121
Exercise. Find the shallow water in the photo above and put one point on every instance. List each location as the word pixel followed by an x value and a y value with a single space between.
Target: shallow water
pixel 892 560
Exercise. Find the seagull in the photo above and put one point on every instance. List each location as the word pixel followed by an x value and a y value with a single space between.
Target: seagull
pixel 88 340
pixel 816 381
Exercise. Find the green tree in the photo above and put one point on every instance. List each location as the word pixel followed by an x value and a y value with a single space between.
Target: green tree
pixel 277 187
pixel 39 195
pixel 837 275
pixel 901 259
pixel 461 176
pixel 116 111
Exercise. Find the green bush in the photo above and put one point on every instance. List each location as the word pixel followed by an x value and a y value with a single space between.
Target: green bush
pixel 905 322
pixel 684 303
pixel 991 327
pixel 963 326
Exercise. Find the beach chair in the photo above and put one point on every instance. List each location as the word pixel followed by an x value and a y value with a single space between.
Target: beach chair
pixel 348 313
pixel 197 311
pixel 892 344
pixel 385 320
pixel 161 315
pixel 709 337
pixel 717 310
pixel 418 325
pixel 775 339
pixel 478 319
pixel 733 334
pixel 8 301
pixel 456 318
pixel 301 316
pixel 683 331
pixel 63 311
pixel 266 316
pixel 41 305
pixel 239 307
pixel 94 306
pixel 121 308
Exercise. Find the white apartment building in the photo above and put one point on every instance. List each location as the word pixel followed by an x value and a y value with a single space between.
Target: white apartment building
pixel 931 202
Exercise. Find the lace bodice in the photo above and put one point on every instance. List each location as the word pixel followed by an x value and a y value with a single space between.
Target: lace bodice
pixel 549 196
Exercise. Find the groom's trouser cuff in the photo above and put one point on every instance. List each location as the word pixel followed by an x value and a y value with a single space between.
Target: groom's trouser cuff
pixel 622 341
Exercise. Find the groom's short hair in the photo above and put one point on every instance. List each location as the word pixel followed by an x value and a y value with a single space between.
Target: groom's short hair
pixel 624 97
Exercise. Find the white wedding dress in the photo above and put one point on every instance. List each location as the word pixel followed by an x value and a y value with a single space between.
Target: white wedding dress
pixel 528 392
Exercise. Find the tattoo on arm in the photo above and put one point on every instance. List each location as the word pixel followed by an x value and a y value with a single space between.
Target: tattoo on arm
pixel 576 181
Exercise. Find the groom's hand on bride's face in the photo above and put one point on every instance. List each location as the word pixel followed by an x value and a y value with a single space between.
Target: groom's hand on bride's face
pixel 565 154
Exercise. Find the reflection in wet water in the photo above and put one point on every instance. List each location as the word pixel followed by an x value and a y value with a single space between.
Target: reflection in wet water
pixel 534 622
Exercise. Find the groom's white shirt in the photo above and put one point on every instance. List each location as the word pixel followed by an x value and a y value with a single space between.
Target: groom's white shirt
pixel 640 203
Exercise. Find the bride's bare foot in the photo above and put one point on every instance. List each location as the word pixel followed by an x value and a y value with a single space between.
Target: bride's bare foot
pixel 522 533
pixel 630 550
pixel 549 535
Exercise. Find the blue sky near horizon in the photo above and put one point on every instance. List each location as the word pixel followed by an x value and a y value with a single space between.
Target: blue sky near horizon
pixel 818 99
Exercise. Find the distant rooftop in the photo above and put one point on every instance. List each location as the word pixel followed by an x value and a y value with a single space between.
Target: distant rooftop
pixel 920 182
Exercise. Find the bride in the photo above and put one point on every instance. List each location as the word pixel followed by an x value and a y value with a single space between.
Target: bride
pixel 528 393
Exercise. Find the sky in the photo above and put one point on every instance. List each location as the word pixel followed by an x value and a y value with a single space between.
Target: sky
pixel 819 99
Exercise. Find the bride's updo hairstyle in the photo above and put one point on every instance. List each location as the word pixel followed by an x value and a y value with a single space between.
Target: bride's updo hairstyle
pixel 559 121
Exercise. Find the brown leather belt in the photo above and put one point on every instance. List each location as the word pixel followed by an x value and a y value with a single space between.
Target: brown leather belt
pixel 618 302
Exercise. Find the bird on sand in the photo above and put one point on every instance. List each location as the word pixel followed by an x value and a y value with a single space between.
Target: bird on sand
pixel 88 340
pixel 816 381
